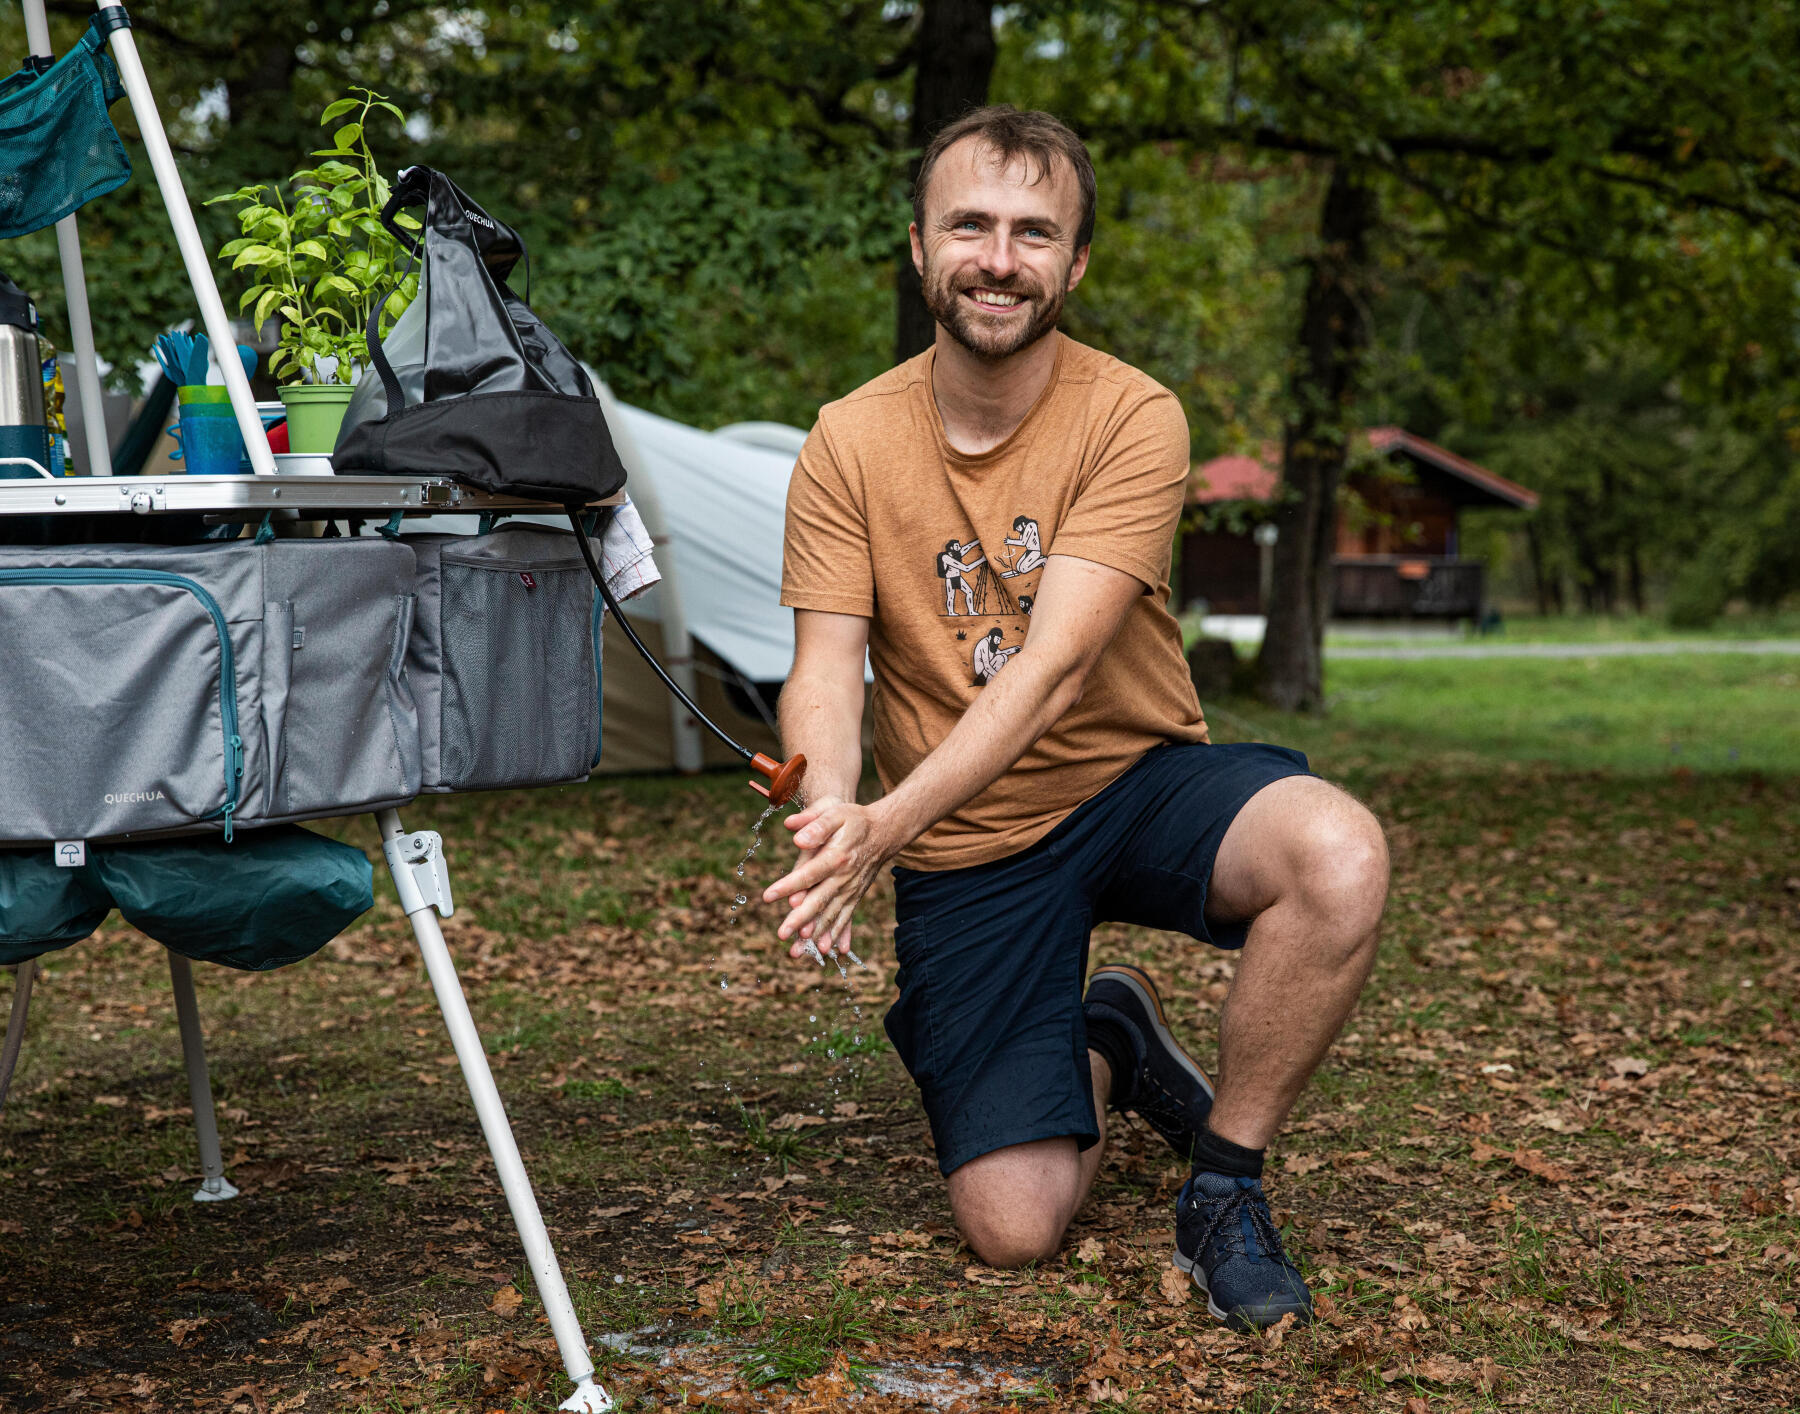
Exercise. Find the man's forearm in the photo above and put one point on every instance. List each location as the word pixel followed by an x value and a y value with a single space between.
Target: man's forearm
pixel 1013 711
pixel 822 720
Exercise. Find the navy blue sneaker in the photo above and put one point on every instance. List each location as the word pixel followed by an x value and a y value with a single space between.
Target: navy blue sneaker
pixel 1168 1089
pixel 1227 1242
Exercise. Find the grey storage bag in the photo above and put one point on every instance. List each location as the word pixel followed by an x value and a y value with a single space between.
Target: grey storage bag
pixel 153 690
pixel 505 660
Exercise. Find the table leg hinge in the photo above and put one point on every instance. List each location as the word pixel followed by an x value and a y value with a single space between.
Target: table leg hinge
pixel 421 875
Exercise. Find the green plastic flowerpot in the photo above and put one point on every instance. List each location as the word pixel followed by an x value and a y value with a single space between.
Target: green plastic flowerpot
pixel 315 412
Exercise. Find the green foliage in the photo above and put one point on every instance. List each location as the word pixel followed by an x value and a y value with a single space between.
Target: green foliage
pixel 1585 276
pixel 325 263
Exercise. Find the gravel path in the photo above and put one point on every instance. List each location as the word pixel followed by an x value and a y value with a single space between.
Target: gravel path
pixel 1652 648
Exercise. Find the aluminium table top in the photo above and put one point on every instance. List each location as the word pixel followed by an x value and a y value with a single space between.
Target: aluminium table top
pixel 322 497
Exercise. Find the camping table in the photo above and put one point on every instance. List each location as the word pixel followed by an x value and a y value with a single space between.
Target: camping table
pixel 415 858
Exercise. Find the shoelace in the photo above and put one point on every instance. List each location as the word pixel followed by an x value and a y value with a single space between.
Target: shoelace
pixel 1222 1222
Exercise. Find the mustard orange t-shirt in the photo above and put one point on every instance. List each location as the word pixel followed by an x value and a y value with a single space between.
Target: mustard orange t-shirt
pixel 943 552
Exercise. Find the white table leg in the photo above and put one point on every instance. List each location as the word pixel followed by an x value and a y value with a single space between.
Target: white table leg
pixel 403 852
pixel 214 1186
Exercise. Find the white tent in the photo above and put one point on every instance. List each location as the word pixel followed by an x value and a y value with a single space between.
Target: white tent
pixel 713 502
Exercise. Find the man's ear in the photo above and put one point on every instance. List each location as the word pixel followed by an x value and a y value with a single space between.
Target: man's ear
pixel 918 248
pixel 1078 267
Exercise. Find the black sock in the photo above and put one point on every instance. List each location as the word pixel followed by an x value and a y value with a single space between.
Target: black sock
pixel 1110 1038
pixel 1215 1155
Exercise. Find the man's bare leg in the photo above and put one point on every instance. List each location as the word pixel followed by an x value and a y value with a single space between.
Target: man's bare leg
pixel 1013 1205
pixel 1309 865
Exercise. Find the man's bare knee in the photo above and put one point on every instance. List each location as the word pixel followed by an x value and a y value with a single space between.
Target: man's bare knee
pixel 1341 869
pixel 1013 1205
pixel 1016 1240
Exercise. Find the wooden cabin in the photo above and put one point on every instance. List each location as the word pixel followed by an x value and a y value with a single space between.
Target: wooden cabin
pixel 1398 548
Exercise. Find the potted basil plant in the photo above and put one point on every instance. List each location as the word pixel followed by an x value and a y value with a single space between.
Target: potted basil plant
pixel 322 262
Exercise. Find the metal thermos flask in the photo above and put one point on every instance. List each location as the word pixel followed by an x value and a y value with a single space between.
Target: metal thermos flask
pixel 23 433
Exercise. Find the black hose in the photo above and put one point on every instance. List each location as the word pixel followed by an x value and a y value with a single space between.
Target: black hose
pixel 587 554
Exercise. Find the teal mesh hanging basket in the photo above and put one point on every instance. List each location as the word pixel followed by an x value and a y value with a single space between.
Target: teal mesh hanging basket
pixel 58 148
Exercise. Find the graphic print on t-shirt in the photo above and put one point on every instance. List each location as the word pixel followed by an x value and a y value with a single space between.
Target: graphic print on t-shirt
pixel 971 588
pixel 989 656
pixel 1031 550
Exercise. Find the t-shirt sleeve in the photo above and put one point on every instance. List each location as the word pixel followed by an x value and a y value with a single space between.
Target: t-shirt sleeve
pixel 1125 512
pixel 825 560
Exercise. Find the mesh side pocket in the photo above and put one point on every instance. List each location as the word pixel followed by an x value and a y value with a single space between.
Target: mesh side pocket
pixel 58 148
pixel 520 696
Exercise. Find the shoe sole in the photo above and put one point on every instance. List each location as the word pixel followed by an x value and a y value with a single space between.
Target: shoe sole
pixel 1198 1276
pixel 1139 982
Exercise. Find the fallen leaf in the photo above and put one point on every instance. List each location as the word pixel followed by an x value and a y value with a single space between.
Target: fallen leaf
pixel 1690 1340
pixel 901 1239
pixel 359 1365
pixel 182 1332
pixel 617 1212
pixel 797 1121
pixel 1298 1164
pixel 1443 1370
pixel 1090 1251
pixel 1623 1066
pixel 1537 1165
pixel 1175 1285
pixel 506 1301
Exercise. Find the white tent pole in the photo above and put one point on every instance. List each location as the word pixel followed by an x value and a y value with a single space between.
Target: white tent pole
pixel 214 1186
pixel 515 1183
pixel 187 237
pixel 96 456
pixel 678 643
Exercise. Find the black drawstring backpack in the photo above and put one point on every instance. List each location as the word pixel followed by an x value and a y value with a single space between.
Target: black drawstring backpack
pixel 507 409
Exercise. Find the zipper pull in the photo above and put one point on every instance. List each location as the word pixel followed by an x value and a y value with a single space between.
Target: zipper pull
pixel 237 756
pixel 230 807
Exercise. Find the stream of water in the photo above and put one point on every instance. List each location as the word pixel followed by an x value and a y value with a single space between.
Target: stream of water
pixel 742 898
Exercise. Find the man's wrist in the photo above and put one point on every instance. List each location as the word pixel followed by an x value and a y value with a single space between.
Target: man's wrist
pixel 895 828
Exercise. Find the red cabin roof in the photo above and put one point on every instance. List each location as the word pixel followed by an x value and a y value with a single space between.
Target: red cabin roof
pixel 1247 478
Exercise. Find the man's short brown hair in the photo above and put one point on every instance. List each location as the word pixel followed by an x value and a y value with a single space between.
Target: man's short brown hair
pixel 1038 138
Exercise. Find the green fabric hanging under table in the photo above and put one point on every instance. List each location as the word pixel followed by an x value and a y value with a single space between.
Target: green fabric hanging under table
pixel 43 908
pixel 269 898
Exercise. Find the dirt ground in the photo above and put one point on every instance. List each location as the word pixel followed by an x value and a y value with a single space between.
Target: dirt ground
pixel 1551 1166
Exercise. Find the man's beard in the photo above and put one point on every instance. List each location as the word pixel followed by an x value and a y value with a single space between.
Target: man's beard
pixel 944 298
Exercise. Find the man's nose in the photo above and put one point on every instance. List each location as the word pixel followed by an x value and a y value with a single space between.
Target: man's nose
pixel 999 257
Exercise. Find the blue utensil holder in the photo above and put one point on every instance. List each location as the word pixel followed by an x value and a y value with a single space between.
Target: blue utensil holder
pixel 211 444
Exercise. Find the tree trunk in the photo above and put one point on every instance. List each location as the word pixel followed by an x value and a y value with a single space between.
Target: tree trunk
pixel 1634 572
pixel 1540 578
pixel 953 63
pixel 1334 335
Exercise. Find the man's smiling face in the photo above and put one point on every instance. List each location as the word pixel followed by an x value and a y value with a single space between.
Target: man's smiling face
pixel 997 256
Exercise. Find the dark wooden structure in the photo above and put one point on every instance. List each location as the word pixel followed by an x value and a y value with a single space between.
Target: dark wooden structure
pixel 1398 555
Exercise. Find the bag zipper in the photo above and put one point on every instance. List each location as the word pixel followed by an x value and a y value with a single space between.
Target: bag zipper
pixel 228 717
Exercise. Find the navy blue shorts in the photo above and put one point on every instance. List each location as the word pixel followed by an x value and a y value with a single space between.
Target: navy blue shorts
pixel 993 957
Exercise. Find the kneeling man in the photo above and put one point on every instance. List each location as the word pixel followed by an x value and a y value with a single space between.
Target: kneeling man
pixel 1046 771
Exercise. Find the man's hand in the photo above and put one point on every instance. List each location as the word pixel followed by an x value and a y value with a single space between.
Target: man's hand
pixel 842 848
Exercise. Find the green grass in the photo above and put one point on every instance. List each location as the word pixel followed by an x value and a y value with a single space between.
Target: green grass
pixel 840 1044
pixel 796 1347
pixel 1708 713
pixel 1769 1338
pixel 784 1146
